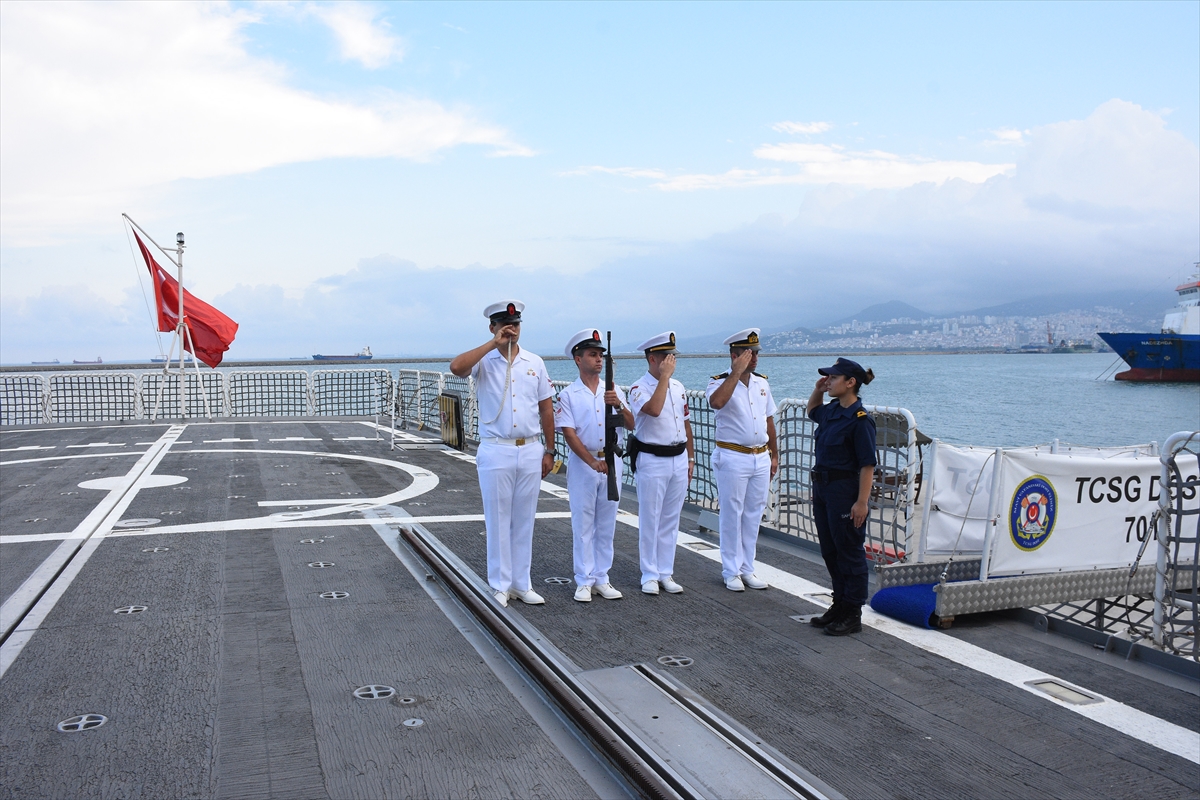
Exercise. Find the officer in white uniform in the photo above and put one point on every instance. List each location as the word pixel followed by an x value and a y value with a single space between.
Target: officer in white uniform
pixel 745 459
pixel 580 417
pixel 663 456
pixel 514 395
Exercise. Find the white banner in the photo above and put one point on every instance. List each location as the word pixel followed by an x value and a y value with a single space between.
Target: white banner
pixel 960 479
pixel 1063 513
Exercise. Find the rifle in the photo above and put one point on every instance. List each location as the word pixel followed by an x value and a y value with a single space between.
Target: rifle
pixel 612 421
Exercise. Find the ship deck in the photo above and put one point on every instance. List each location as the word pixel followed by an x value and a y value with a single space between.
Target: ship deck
pixel 238 678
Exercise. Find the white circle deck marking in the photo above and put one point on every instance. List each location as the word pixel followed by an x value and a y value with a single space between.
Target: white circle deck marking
pixel 150 482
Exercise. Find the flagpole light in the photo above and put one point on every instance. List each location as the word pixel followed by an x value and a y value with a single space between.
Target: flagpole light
pixel 179 238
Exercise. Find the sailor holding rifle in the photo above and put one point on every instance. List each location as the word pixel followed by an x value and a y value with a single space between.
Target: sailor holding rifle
pixel 514 395
pixel 662 453
pixel 580 416
pixel 745 459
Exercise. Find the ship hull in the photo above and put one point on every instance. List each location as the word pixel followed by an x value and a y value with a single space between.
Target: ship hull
pixel 341 358
pixel 1157 357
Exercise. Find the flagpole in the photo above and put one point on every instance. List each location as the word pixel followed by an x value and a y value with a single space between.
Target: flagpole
pixel 181 330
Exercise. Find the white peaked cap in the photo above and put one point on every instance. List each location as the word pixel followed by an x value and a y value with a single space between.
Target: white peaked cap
pixel 585 335
pixel 502 306
pixel 745 338
pixel 659 343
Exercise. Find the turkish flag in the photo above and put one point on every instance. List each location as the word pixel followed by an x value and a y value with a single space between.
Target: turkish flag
pixel 211 331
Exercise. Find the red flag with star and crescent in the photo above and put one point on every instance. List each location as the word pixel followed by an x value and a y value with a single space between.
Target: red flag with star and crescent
pixel 211 331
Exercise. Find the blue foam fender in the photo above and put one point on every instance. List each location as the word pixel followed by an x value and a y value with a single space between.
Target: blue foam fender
pixel 912 604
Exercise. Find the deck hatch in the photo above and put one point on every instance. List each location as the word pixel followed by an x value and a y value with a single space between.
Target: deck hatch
pixel 1061 691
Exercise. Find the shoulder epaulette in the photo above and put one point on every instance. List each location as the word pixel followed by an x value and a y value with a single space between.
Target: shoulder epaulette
pixel 719 377
pixel 759 374
pixel 861 414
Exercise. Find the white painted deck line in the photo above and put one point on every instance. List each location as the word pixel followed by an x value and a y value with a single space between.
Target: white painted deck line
pixel 275 522
pixel 294 439
pixel 16 608
pixel 230 440
pixel 98 444
pixel 1130 721
pixel 27 447
pixel 118 454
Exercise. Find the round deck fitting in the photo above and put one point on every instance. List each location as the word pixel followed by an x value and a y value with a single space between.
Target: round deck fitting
pixel 311 541
pixel 413 723
pixel 321 564
pixel 83 722
pixel 155 549
pixel 333 595
pixel 675 661
pixel 129 610
pixel 373 692
pixel 137 523
pixel 558 581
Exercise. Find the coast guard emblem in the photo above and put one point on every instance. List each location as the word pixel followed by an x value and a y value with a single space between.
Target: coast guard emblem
pixel 1032 513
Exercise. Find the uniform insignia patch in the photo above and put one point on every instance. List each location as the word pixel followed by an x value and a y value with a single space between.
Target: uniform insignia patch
pixel 1032 513
pixel 531 372
pixel 861 414
pixel 722 376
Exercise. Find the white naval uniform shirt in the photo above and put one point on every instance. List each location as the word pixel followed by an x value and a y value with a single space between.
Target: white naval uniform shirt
pixel 667 427
pixel 517 403
pixel 582 410
pixel 743 420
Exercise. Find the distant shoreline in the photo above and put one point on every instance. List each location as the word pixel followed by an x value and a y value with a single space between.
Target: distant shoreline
pixel 300 363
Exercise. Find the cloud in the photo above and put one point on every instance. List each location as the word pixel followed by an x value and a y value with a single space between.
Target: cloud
pixel 360 34
pixel 801 127
pixel 1110 202
pixel 817 164
pixel 106 103
pixel 1007 136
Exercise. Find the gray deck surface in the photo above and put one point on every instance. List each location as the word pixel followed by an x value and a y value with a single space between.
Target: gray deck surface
pixel 237 679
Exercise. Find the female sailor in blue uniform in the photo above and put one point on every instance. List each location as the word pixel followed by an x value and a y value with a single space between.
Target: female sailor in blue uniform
pixel 842 473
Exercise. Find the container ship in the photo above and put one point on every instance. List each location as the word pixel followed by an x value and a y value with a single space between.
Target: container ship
pixel 1171 356
pixel 361 355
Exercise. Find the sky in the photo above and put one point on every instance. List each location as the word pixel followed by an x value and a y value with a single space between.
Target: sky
pixel 352 174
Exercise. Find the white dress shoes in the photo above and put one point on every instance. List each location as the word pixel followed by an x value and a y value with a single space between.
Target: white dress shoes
pixel 669 584
pixel 650 587
pixel 752 581
pixel 583 594
pixel 529 597
pixel 502 598
pixel 607 591
pixel 735 584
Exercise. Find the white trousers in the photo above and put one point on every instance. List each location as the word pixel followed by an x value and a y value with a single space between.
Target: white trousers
pixel 593 521
pixel 661 489
pixel 743 480
pixel 509 478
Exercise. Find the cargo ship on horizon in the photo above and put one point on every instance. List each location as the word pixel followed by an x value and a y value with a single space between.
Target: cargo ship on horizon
pixel 1172 355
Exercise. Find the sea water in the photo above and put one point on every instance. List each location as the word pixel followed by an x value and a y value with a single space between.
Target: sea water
pixel 983 399
pixel 980 399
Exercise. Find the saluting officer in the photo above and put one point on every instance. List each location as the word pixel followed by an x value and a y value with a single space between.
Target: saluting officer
pixel 580 417
pixel 842 473
pixel 663 455
pixel 514 395
pixel 746 457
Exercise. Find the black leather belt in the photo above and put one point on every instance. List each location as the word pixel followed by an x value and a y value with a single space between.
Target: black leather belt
pixel 635 446
pixel 826 475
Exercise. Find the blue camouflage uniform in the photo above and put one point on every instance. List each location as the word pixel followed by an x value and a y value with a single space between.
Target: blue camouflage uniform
pixel 845 443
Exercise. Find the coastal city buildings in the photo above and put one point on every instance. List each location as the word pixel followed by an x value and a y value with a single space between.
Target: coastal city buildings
pixel 1074 329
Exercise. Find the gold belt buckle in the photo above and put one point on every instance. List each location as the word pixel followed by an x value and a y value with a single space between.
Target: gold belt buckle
pixel 520 442
pixel 599 454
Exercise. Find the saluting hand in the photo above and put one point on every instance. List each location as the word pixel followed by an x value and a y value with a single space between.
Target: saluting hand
pixel 667 368
pixel 742 362
pixel 822 384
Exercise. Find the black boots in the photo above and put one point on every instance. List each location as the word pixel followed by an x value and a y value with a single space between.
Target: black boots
pixel 848 621
pixel 829 616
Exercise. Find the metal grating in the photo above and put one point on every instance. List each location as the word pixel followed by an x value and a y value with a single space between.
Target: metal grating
pixel 268 394
pixel 93 397
pixel 351 392
pixel 22 400
pixel 159 393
